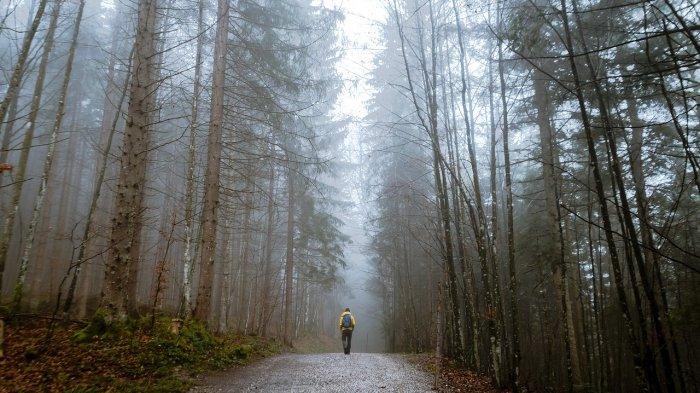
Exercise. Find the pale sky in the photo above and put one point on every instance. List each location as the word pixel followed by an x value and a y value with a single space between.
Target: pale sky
pixel 360 41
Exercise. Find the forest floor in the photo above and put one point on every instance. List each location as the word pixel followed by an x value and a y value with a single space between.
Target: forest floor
pixel 453 377
pixel 137 358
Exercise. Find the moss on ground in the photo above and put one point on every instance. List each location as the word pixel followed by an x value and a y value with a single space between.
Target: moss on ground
pixel 131 356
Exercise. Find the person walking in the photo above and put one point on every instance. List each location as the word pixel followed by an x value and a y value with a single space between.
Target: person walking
pixel 346 324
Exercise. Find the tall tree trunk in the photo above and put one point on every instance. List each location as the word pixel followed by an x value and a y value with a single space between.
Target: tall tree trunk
pixel 210 208
pixel 598 309
pixel 48 162
pixel 477 217
pixel 267 259
pixel 246 253
pixel 493 249
pixel 468 281
pixel 19 179
pixel 556 250
pixel 430 81
pixel 185 308
pixel 132 175
pixel 289 261
pixel 512 274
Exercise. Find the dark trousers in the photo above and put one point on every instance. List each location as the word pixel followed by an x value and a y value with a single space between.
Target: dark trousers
pixel 347 339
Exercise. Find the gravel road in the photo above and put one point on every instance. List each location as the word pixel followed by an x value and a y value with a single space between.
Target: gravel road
pixel 332 372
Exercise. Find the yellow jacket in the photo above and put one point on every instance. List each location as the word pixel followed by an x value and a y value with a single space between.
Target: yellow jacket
pixel 340 320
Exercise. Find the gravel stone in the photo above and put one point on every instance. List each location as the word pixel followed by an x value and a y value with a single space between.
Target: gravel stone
pixel 331 372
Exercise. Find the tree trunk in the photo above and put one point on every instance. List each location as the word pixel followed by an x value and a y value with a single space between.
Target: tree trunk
pixel 513 287
pixel 493 249
pixel 556 254
pixel 289 261
pixel 246 253
pixel 9 224
pixel 128 212
pixel 267 261
pixel 185 308
pixel 211 178
pixel 634 150
pixel 477 217
pixel 48 163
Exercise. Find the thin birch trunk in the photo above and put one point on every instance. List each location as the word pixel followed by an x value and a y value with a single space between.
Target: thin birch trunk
pixel 185 309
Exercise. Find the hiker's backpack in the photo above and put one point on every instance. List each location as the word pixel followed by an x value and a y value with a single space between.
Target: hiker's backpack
pixel 347 321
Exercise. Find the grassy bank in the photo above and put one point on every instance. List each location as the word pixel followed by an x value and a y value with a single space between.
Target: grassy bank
pixel 131 357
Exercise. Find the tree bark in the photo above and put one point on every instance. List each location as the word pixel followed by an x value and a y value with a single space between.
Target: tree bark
pixel 209 220
pixel 128 212
pixel 185 309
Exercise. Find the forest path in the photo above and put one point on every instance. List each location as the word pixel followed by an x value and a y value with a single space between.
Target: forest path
pixel 328 372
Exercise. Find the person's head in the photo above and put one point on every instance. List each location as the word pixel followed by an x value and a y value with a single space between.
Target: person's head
pixel 347 309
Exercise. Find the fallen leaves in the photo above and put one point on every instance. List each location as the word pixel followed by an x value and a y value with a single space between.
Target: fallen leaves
pixel 453 377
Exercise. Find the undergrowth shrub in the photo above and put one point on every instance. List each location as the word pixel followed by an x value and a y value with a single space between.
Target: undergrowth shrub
pixel 157 352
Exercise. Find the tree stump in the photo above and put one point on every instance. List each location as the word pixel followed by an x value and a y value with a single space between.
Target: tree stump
pixel 175 325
